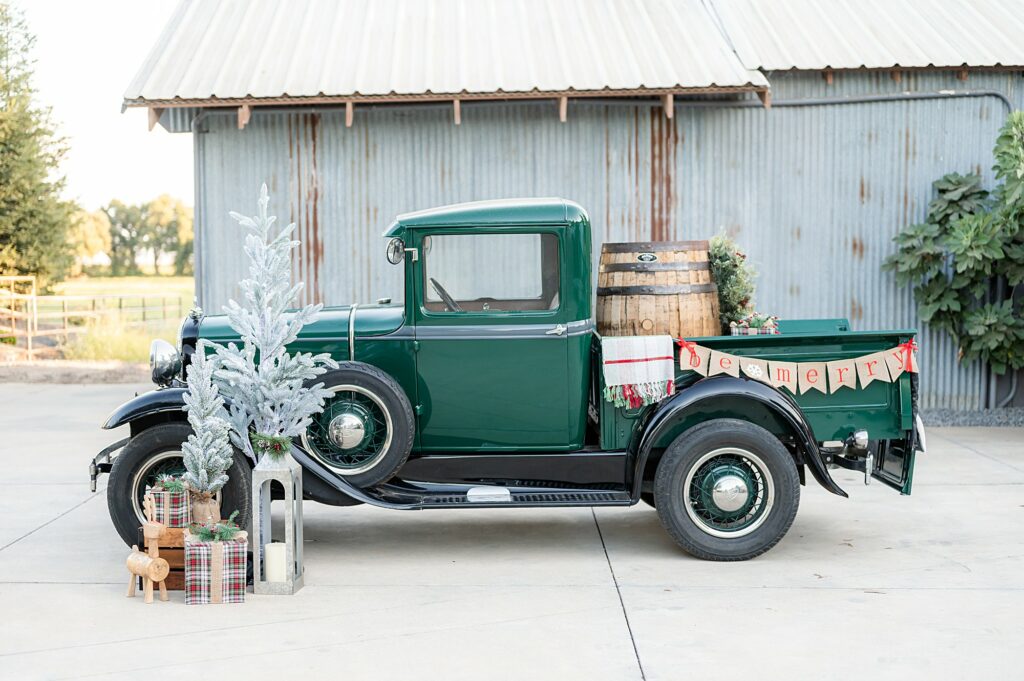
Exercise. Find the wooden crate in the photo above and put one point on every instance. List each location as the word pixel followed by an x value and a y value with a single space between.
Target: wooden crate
pixel 172 549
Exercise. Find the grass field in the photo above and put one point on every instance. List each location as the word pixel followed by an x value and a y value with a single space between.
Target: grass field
pixel 123 335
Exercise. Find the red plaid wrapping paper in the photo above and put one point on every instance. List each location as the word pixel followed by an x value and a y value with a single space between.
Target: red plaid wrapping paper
pixel 202 583
pixel 747 331
pixel 172 508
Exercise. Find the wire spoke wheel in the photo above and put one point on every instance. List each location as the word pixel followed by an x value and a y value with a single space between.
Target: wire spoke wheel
pixel 729 492
pixel 354 431
pixel 164 463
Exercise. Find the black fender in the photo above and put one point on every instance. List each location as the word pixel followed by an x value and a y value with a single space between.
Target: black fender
pixel 159 401
pixel 165 404
pixel 703 395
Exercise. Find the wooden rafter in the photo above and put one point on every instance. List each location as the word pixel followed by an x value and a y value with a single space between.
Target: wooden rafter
pixel 457 109
pixel 154 116
pixel 563 108
pixel 766 98
pixel 244 113
pixel 827 75
pixel 668 103
pixel 349 113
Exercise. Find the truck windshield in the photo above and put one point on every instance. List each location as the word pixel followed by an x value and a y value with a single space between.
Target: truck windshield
pixel 490 272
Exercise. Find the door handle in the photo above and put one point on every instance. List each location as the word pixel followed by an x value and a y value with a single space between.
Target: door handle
pixel 559 330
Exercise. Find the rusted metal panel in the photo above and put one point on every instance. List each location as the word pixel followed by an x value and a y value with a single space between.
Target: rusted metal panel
pixel 813 194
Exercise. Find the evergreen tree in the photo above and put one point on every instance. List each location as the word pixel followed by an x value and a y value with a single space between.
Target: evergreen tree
pixel 207 452
pixel 265 384
pixel 33 218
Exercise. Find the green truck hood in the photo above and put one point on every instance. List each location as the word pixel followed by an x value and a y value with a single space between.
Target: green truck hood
pixel 331 323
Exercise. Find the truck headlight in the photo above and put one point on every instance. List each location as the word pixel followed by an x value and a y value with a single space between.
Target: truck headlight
pixel 164 362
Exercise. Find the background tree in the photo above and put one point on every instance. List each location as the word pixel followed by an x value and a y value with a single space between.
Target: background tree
pixel 34 219
pixel 127 233
pixel 89 236
pixel 169 231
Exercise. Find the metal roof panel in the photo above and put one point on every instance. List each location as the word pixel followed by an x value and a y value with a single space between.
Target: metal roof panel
pixel 776 35
pixel 230 49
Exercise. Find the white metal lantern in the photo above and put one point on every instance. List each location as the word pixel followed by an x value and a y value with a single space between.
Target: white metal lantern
pixel 277 568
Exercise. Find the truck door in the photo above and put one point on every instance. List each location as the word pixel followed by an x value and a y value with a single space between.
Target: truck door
pixel 491 339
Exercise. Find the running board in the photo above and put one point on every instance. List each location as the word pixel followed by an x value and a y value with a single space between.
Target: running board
pixel 484 497
pixel 408 495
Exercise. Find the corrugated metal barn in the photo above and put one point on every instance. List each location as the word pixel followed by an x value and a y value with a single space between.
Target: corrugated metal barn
pixel 810 131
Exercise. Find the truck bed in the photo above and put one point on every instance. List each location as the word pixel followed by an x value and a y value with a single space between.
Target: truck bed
pixel 884 409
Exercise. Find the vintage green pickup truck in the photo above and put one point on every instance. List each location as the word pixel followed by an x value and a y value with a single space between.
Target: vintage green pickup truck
pixel 484 389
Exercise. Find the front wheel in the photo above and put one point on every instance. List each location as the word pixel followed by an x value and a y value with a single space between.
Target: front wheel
pixel 727 490
pixel 154 452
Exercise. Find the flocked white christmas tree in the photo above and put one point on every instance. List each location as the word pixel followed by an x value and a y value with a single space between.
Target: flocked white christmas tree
pixel 207 452
pixel 265 385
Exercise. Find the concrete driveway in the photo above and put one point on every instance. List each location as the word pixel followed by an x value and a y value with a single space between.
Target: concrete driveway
pixel 877 586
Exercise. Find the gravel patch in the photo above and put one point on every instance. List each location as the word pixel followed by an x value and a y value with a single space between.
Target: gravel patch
pixel 1009 416
pixel 69 371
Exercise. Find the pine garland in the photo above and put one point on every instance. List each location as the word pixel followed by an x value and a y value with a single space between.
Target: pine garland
pixel 223 531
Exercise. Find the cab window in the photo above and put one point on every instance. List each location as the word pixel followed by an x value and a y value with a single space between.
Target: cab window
pixel 467 273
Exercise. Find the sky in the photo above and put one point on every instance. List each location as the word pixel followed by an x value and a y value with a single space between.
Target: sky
pixel 87 53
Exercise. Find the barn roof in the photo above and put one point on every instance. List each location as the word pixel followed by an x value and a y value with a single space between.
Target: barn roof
pixel 233 52
pixel 851 34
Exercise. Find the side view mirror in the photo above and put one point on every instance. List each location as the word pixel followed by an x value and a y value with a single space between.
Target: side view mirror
pixel 396 251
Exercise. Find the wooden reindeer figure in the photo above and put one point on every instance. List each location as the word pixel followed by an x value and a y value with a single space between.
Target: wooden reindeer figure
pixel 151 567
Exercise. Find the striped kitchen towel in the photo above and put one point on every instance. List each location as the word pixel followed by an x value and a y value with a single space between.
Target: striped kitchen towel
pixel 638 370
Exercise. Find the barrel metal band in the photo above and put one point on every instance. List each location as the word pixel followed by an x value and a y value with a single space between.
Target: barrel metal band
pixel 655 247
pixel 654 266
pixel 656 290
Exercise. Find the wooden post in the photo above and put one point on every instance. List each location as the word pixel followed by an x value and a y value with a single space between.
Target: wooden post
pixel 668 103
pixel 563 108
pixel 961 74
pixel 244 112
pixel 349 114
pixel 458 112
pixel 828 76
pixel 897 75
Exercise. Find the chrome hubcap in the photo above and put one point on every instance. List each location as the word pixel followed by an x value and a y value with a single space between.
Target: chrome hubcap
pixel 730 493
pixel 347 431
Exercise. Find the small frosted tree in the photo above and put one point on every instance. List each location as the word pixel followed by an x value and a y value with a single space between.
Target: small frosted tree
pixel 265 385
pixel 207 452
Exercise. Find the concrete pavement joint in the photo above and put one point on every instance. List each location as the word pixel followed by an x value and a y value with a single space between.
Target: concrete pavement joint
pixel 51 520
pixel 618 591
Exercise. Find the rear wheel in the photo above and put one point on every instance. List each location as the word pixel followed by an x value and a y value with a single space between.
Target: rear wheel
pixel 154 452
pixel 727 490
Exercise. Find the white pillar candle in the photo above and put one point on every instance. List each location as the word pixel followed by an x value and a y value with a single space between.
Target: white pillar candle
pixel 275 560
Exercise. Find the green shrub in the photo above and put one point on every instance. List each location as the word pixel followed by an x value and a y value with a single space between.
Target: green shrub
pixel 735 279
pixel 965 260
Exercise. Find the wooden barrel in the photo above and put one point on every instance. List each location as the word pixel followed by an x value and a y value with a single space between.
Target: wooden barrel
pixel 665 287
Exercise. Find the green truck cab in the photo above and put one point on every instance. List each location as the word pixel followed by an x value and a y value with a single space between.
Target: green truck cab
pixel 482 389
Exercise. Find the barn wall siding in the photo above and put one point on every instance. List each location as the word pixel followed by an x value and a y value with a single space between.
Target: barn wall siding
pixel 813 194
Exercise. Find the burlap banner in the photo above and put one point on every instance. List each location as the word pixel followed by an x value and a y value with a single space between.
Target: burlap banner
pixel 802 377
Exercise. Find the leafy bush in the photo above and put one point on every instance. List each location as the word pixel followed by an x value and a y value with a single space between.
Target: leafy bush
pixel 735 279
pixel 967 257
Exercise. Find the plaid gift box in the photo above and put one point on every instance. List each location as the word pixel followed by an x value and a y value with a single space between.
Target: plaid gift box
pixel 748 331
pixel 171 508
pixel 215 570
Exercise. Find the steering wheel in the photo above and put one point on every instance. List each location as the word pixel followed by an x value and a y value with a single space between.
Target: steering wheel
pixel 449 302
